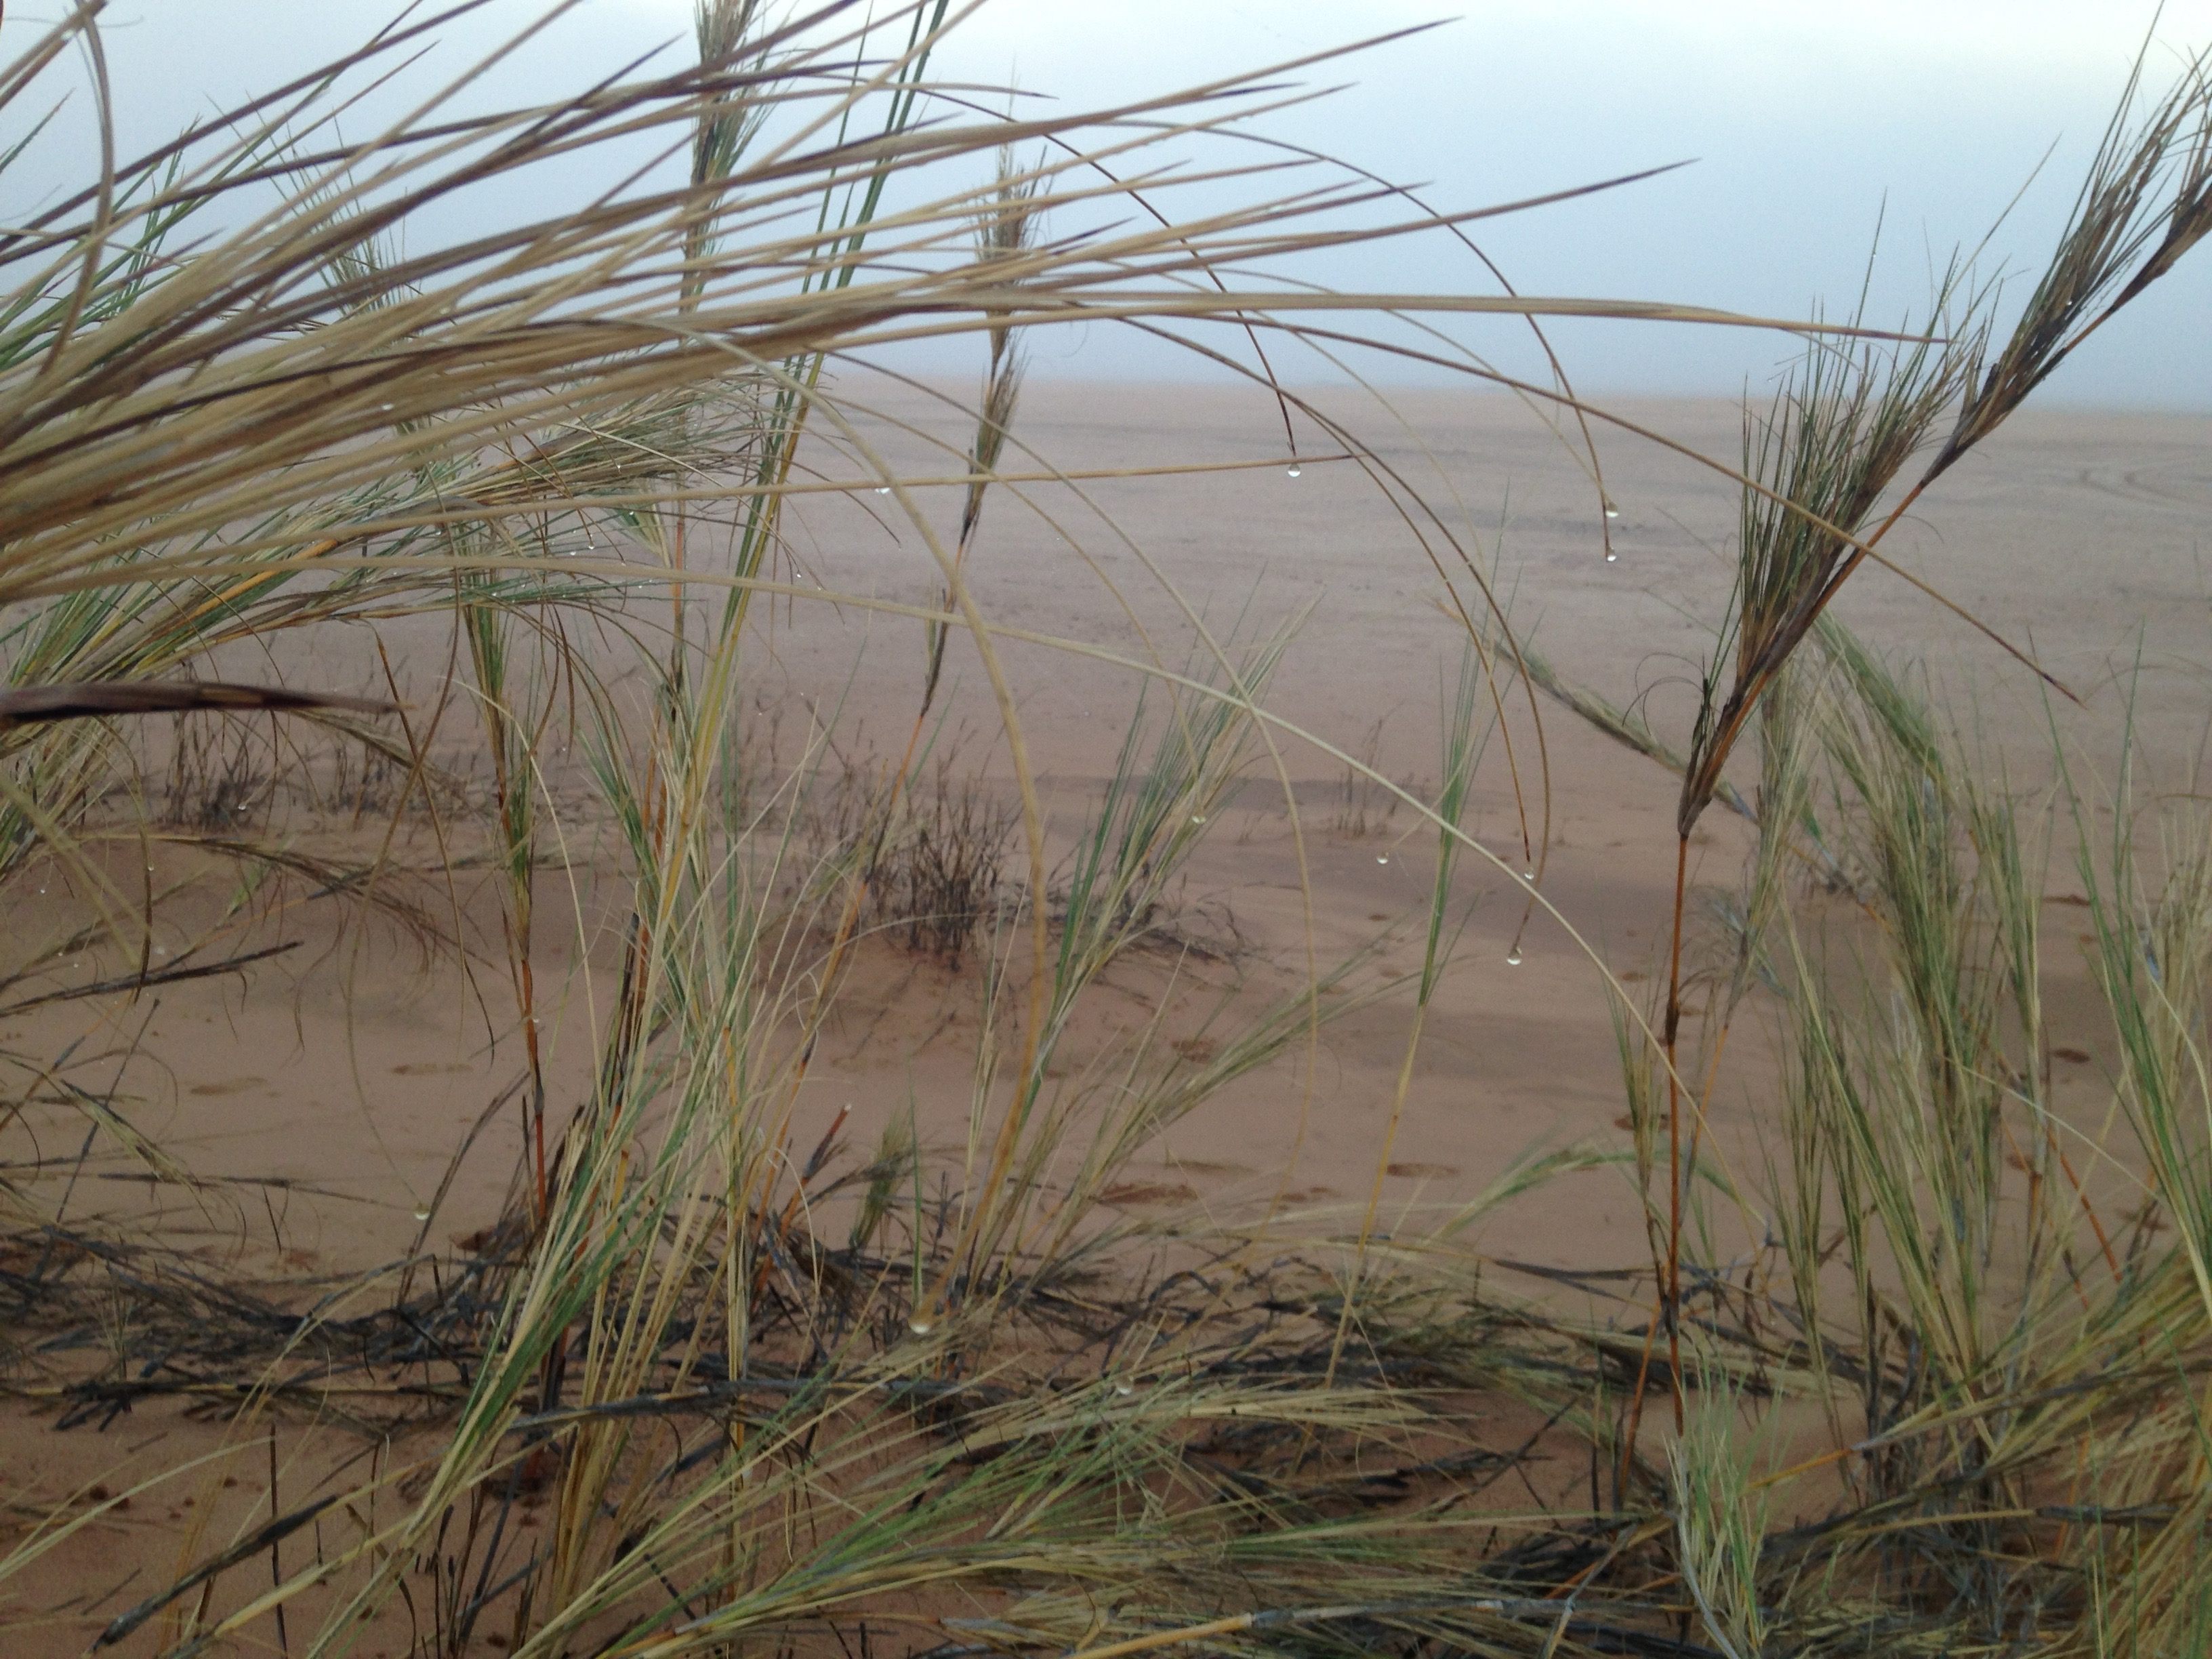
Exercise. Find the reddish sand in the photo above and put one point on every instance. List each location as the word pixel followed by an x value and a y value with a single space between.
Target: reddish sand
pixel 348 1069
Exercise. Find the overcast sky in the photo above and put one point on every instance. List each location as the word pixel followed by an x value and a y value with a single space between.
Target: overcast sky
pixel 1802 118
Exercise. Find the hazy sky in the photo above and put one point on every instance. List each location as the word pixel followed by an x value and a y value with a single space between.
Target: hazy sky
pixel 1802 118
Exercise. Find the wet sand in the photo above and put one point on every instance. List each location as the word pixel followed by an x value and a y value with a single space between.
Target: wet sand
pixel 355 1062
pixel 348 1070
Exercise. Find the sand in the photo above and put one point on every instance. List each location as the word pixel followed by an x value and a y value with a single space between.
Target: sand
pixel 346 1071
pixel 355 1062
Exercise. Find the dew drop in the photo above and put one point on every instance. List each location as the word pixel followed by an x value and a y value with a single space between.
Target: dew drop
pixel 1612 557
pixel 1124 1389
pixel 1611 511
pixel 1528 875
pixel 1513 957
pixel 1198 818
pixel 920 1326
pixel 1382 858
pixel 882 489
pixel 1295 470
pixel 422 1215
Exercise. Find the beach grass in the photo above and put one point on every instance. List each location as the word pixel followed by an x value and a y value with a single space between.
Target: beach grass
pixel 1929 1380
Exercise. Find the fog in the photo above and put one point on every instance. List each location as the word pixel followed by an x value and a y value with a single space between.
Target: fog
pixel 1804 123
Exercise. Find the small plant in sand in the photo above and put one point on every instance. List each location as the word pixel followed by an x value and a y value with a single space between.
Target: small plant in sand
pixel 1365 807
pixel 218 775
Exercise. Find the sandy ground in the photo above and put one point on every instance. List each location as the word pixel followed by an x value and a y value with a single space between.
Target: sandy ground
pixel 331 1085
pixel 356 1063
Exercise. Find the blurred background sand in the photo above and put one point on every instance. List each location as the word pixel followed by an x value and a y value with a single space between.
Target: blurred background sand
pixel 2076 536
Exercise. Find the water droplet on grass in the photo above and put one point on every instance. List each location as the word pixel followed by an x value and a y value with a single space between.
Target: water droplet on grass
pixel 920 1326
pixel 422 1215
pixel 1612 557
pixel 1611 511
pixel 1124 1389
pixel 1198 818
pixel 882 489
pixel 1295 470
pixel 1382 858
pixel 1513 957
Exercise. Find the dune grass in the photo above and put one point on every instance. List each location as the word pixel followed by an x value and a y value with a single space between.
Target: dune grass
pixel 703 1387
